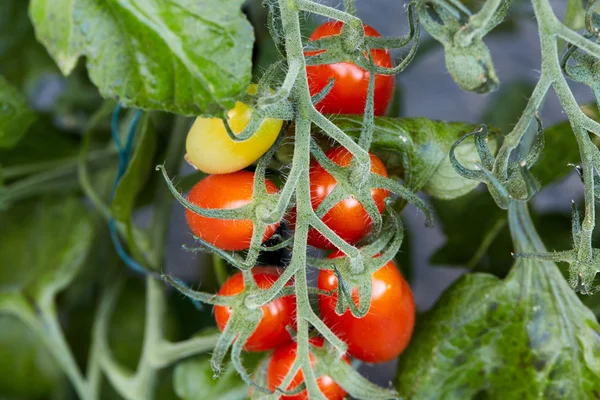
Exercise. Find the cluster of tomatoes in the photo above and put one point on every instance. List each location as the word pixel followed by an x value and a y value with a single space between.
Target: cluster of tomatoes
pixel 384 332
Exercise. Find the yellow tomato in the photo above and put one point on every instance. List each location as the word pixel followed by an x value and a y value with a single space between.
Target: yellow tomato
pixel 211 150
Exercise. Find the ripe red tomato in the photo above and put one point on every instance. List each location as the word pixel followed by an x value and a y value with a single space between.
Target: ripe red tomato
pixel 282 361
pixel 225 191
pixel 349 92
pixel 385 331
pixel 348 218
pixel 271 332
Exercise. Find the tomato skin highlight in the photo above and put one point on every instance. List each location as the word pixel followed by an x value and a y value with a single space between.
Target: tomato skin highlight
pixel 226 191
pixel 271 332
pixel 282 361
pixel 348 218
pixel 211 150
pixel 349 92
pixel 385 331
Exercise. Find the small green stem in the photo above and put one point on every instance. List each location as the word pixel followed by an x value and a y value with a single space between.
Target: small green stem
pixel 488 239
pixel 337 134
pixel 294 68
pixel 145 376
pixel 574 14
pixel 82 168
pixel 52 176
pixel 94 373
pixel 121 379
pixel 326 11
pixel 54 181
pixel 574 17
pixel 105 156
pixel 576 39
pixel 51 332
pixel 42 319
pixel 512 140
pixel 478 22
pixel 350 7
pixel 460 6
pixel 167 353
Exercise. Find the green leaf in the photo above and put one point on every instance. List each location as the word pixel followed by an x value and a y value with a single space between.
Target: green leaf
pixel 15 115
pixel 525 337
pixel 43 243
pixel 27 369
pixel 418 149
pixel 193 379
pixel 188 57
pixel 138 171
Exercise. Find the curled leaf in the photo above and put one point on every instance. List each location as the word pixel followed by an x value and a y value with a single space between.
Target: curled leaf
pixel 417 150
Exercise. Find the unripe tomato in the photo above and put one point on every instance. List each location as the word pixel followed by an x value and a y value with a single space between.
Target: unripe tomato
pixel 211 150
pixel 349 92
pixel 348 218
pixel 385 331
pixel 225 191
pixel 271 332
pixel 282 361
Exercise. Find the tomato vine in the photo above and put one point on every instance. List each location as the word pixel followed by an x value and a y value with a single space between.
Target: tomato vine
pixel 350 44
pixel 507 180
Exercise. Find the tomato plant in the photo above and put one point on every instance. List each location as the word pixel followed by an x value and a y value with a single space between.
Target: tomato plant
pixel 348 95
pixel 278 315
pixel 385 331
pixel 93 176
pixel 211 150
pixel 280 364
pixel 224 192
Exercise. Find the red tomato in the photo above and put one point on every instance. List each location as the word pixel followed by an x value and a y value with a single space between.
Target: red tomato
pixel 225 191
pixel 271 332
pixel 282 361
pixel 385 331
pixel 348 218
pixel 349 92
